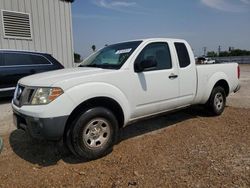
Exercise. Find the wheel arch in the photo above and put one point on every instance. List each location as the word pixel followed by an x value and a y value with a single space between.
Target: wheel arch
pixel 101 101
pixel 224 84
pixel 216 79
pixel 220 83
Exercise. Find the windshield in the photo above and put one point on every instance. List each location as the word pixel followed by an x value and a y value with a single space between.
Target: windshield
pixel 111 57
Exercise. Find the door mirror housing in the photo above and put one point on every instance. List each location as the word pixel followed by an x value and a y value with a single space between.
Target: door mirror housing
pixel 145 64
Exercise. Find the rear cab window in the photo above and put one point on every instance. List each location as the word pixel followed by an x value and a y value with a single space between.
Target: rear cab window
pixel 24 59
pixel 182 53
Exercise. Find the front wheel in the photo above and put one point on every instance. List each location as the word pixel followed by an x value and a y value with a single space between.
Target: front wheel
pixel 94 133
pixel 217 101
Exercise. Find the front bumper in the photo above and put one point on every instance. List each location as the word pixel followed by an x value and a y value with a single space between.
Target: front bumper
pixel 41 128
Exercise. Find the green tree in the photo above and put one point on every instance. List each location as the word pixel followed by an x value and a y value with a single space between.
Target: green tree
pixel 211 54
pixel 238 52
pixel 224 54
pixel 234 52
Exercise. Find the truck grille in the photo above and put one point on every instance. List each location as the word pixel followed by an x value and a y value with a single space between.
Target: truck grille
pixel 23 95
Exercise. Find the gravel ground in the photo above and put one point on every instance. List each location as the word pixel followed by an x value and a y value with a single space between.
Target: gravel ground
pixel 241 99
pixel 6 124
pixel 183 149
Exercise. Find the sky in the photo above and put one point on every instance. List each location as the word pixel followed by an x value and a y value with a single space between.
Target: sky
pixel 203 23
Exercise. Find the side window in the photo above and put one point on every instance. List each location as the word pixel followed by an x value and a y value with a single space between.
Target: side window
pixel 19 59
pixel 1 59
pixel 183 56
pixel 11 59
pixel 158 51
pixel 39 60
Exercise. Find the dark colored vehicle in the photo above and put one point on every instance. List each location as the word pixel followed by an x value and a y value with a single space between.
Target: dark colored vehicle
pixel 17 64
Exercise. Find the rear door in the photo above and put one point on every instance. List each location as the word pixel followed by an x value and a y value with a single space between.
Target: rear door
pixel 187 73
pixel 16 66
pixel 1 71
pixel 20 64
pixel 40 63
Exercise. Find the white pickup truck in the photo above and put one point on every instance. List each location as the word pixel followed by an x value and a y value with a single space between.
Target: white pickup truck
pixel 121 83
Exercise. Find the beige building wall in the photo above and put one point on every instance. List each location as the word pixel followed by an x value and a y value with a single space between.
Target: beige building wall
pixel 51 27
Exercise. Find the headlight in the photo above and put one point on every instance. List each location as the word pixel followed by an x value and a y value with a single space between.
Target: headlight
pixel 46 95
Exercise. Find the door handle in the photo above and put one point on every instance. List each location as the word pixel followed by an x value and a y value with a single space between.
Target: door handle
pixel 173 76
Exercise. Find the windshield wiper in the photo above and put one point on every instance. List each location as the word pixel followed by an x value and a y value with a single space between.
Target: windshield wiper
pixel 103 66
pixel 90 65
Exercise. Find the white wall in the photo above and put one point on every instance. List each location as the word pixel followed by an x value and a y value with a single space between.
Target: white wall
pixel 51 28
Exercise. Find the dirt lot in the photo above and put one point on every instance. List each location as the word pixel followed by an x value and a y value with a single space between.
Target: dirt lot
pixel 184 149
pixel 241 99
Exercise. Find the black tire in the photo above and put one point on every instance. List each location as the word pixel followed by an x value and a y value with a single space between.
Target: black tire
pixel 93 133
pixel 217 101
pixel 67 141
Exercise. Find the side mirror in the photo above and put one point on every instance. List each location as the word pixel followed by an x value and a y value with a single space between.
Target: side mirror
pixel 145 64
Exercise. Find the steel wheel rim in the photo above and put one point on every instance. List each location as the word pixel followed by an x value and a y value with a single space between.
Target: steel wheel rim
pixel 96 133
pixel 218 101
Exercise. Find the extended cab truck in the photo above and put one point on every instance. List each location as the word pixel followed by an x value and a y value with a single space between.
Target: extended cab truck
pixel 86 106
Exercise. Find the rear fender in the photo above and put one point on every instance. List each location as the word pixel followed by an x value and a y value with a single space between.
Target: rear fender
pixel 211 83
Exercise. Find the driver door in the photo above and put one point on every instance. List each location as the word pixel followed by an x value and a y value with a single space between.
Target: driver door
pixel 157 88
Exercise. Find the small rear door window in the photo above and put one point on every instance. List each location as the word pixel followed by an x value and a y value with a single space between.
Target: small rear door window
pixel 40 60
pixel 183 56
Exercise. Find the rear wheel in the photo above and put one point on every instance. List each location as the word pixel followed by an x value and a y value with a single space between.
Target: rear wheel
pixel 93 133
pixel 217 101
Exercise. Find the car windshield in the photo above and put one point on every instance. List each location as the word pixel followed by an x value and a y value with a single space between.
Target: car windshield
pixel 111 57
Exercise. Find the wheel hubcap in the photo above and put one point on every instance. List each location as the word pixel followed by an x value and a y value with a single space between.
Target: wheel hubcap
pixel 218 101
pixel 97 133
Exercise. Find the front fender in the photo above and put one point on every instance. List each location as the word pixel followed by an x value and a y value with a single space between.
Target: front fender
pixel 83 92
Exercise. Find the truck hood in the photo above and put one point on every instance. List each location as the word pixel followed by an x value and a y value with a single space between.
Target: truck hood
pixel 50 78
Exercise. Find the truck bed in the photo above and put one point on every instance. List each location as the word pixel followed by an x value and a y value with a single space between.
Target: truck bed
pixel 208 74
